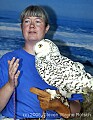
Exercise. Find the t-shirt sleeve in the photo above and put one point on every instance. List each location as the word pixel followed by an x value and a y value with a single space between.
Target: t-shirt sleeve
pixel 3 71
pixel 77 97
pixel 0 77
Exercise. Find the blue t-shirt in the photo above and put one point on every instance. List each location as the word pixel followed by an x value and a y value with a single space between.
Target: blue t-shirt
pixel 27 104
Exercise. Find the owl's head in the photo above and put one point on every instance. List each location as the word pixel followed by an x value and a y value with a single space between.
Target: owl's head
pixel 45 47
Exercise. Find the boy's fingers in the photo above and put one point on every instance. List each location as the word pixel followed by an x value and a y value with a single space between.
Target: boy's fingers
pixel 17 74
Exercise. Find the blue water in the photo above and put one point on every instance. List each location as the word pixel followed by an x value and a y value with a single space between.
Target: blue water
pixel 74 39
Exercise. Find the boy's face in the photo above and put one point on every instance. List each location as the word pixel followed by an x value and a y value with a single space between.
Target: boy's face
pixel 33 28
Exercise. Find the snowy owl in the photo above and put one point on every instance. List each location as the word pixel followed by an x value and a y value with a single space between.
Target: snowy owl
pixel 59 71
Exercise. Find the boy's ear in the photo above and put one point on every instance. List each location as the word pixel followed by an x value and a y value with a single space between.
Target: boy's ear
pixel 47 28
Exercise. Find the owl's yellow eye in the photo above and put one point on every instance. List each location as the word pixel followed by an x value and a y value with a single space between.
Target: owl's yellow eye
pixel 40 45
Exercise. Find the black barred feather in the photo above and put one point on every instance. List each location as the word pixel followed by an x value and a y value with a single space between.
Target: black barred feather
pixel 59 71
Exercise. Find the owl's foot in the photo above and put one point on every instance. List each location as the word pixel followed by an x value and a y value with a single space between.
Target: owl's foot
pixel 55 94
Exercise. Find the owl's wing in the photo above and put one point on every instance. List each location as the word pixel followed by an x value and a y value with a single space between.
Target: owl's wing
pixel 68 76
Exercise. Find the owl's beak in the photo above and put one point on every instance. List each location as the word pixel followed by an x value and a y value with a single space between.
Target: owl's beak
pixel 35 53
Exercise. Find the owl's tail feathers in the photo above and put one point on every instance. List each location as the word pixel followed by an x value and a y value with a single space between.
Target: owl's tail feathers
pixel 88 82
pixel 89 88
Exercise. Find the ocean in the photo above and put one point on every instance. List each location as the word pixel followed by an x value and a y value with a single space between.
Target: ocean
pixel 74 39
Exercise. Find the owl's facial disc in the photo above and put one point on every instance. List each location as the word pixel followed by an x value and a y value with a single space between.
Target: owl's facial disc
pixel 39 46
pixel 42 48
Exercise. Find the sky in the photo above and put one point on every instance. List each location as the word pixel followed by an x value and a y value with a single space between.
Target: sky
pixel 67 8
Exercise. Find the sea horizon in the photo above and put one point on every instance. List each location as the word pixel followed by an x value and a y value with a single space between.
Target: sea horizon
pixel 74 39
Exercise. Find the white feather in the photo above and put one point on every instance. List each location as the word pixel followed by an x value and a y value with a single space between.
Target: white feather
pixel 59 71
